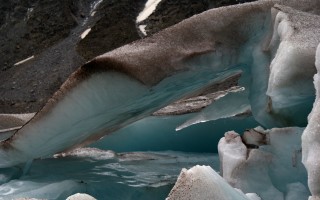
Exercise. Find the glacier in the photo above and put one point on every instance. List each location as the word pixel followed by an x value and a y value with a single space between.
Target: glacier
pixel 251 68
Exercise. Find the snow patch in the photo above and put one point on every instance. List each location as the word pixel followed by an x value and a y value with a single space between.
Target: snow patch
pixel 143 29
pixel 23 61
pixel 85 33
pixel 149 7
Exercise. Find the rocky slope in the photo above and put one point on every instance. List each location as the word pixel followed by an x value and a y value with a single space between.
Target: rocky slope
pixel 47 34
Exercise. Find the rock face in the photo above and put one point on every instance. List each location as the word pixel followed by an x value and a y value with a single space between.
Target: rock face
pixel 49 32
pixel 31 28
pixel 116 27
pixel 169 12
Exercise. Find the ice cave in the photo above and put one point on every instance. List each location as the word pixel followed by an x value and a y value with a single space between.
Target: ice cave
pixel 223 105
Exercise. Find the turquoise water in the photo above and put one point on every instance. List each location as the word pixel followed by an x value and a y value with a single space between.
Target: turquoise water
pixel 158 134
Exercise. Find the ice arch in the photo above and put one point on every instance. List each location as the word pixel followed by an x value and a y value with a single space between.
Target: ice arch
pixel 133 81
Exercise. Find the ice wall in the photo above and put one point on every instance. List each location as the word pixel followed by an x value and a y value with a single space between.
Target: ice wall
pixel 266 162
pixel 311 140
pixel 282 92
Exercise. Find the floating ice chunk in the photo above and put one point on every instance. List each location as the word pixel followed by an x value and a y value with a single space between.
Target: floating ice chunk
pixel 202 182
pixel 93 153
pixel 80 196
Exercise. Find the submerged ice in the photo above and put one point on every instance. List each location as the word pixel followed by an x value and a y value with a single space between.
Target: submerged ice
pixel 232 68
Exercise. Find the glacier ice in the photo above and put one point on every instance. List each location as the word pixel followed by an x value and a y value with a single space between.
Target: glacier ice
pixel 288 89
pixel 295 38
pixel 272 46
pixel 202 182
pixel 80 196
pixel 310 140
pixel 266 163
pixel 90 110
pixel 233 104
pixel 9 123
pixel 89 104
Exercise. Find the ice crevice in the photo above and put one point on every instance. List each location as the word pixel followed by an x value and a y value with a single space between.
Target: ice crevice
pixel 253 61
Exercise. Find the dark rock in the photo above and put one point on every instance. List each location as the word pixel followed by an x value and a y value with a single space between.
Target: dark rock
pixel 170 12
pixel 116 27
pixel 50 30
